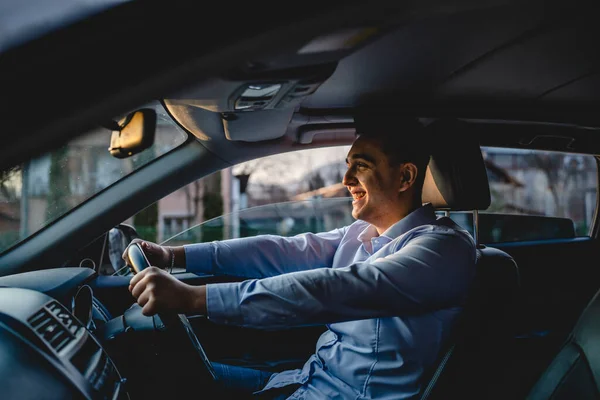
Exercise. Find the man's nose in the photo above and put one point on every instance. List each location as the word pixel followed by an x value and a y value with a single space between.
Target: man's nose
pixel 349 178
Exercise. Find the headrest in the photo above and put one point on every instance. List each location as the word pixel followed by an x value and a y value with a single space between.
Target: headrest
pixel 456 178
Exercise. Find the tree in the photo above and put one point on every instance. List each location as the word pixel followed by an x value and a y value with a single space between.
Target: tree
pixel 281 166
pixel 316 181
pixel 213 205
pixel 213 208
pixel 59 188
pixel 212 198
pixel 9 194
pixel 7 190
pixel 277 193
pixel 192 198
pixel 146 221
pixel 339 177
pixel 551 164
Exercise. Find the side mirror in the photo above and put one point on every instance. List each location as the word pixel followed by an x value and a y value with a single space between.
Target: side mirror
pixel 119 238
pixel 133 134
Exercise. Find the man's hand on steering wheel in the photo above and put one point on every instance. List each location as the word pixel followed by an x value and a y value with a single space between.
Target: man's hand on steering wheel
pixel 158 255
pixel 156 291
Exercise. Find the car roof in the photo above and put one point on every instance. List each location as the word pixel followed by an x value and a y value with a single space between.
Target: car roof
pixel 21 22
pixel 501 65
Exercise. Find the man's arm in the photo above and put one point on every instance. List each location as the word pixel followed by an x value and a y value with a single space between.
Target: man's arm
pixel 261 256
pixel 431 272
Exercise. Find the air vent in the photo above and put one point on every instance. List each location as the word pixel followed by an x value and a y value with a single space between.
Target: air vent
pixel 55 325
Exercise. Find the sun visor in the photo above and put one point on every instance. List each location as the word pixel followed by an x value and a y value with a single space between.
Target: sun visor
pixel 256 126
pixel 253 126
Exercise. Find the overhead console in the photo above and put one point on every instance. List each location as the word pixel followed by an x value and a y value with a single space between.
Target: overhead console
pixel 251 106
pixel 278 90
pixel 244 91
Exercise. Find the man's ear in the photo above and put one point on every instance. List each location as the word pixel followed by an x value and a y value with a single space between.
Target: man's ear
pixel 408 176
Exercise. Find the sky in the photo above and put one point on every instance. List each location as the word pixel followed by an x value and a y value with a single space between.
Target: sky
pixel 290 167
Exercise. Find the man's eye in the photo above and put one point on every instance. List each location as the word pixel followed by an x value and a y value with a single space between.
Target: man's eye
pixel 361 165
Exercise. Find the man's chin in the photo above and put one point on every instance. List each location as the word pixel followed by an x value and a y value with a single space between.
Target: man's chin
pixel 356 212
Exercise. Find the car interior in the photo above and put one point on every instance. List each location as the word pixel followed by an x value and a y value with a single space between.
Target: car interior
pixel 253 80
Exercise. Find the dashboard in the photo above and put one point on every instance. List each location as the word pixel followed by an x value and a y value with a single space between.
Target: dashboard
pixel 47 319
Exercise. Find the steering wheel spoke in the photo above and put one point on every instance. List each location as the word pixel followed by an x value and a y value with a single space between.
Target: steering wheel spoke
pixel 180 326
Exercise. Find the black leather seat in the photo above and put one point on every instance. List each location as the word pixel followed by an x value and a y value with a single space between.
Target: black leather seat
pixel 574 373
pixel 475 358
pixel 457 180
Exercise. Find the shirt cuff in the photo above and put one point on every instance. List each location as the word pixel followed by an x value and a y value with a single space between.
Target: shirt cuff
pixel 223 303
pixel 199 258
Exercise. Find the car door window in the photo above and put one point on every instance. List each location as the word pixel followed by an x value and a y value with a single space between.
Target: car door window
pixel 284 219
pixel 283 178
pixel 535 195
pixel 283 194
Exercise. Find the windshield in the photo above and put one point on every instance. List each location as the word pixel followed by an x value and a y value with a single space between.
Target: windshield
pixel 36 193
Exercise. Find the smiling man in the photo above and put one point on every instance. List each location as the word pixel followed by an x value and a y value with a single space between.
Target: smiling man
pixel 389 286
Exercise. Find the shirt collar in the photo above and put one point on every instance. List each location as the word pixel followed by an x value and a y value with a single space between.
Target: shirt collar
pixel 367 234
pixel 421 216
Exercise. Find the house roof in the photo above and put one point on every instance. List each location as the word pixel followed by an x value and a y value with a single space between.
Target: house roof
pixel 335 190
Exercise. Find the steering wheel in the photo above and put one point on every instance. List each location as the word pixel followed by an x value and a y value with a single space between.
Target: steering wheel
pixel 177 323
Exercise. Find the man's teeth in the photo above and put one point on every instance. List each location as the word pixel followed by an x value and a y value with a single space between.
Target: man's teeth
pixel 359 195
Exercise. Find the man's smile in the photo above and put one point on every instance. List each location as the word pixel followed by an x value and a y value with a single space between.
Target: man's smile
pixel 357 195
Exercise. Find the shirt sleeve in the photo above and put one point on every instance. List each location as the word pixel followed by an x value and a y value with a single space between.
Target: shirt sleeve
pixel 265 255
pixel 432 271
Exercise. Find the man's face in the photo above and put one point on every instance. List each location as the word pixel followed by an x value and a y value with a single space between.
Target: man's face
pixel 374 184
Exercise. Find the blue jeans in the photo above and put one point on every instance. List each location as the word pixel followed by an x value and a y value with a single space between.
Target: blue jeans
pixel 241 381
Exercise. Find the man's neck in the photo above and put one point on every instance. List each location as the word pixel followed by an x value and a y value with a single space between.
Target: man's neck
pixel 385 225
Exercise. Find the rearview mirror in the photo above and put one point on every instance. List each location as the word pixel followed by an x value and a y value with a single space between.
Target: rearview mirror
pixel 133 134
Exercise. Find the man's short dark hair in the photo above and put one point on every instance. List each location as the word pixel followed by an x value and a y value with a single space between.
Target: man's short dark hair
pixel 403 139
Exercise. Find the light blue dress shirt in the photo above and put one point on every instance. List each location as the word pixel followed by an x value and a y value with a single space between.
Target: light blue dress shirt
pixel 389 301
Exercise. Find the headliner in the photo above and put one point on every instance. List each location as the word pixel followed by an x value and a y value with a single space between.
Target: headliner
pixel 535 60
pixel 492 64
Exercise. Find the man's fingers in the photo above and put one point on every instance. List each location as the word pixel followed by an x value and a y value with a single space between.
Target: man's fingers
pixel 141 275
pixel 137 284
pixel 139 288
pixel 150 308
pixel 151 247
pixel 144 298
pixel 145 279
pixel 143 288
